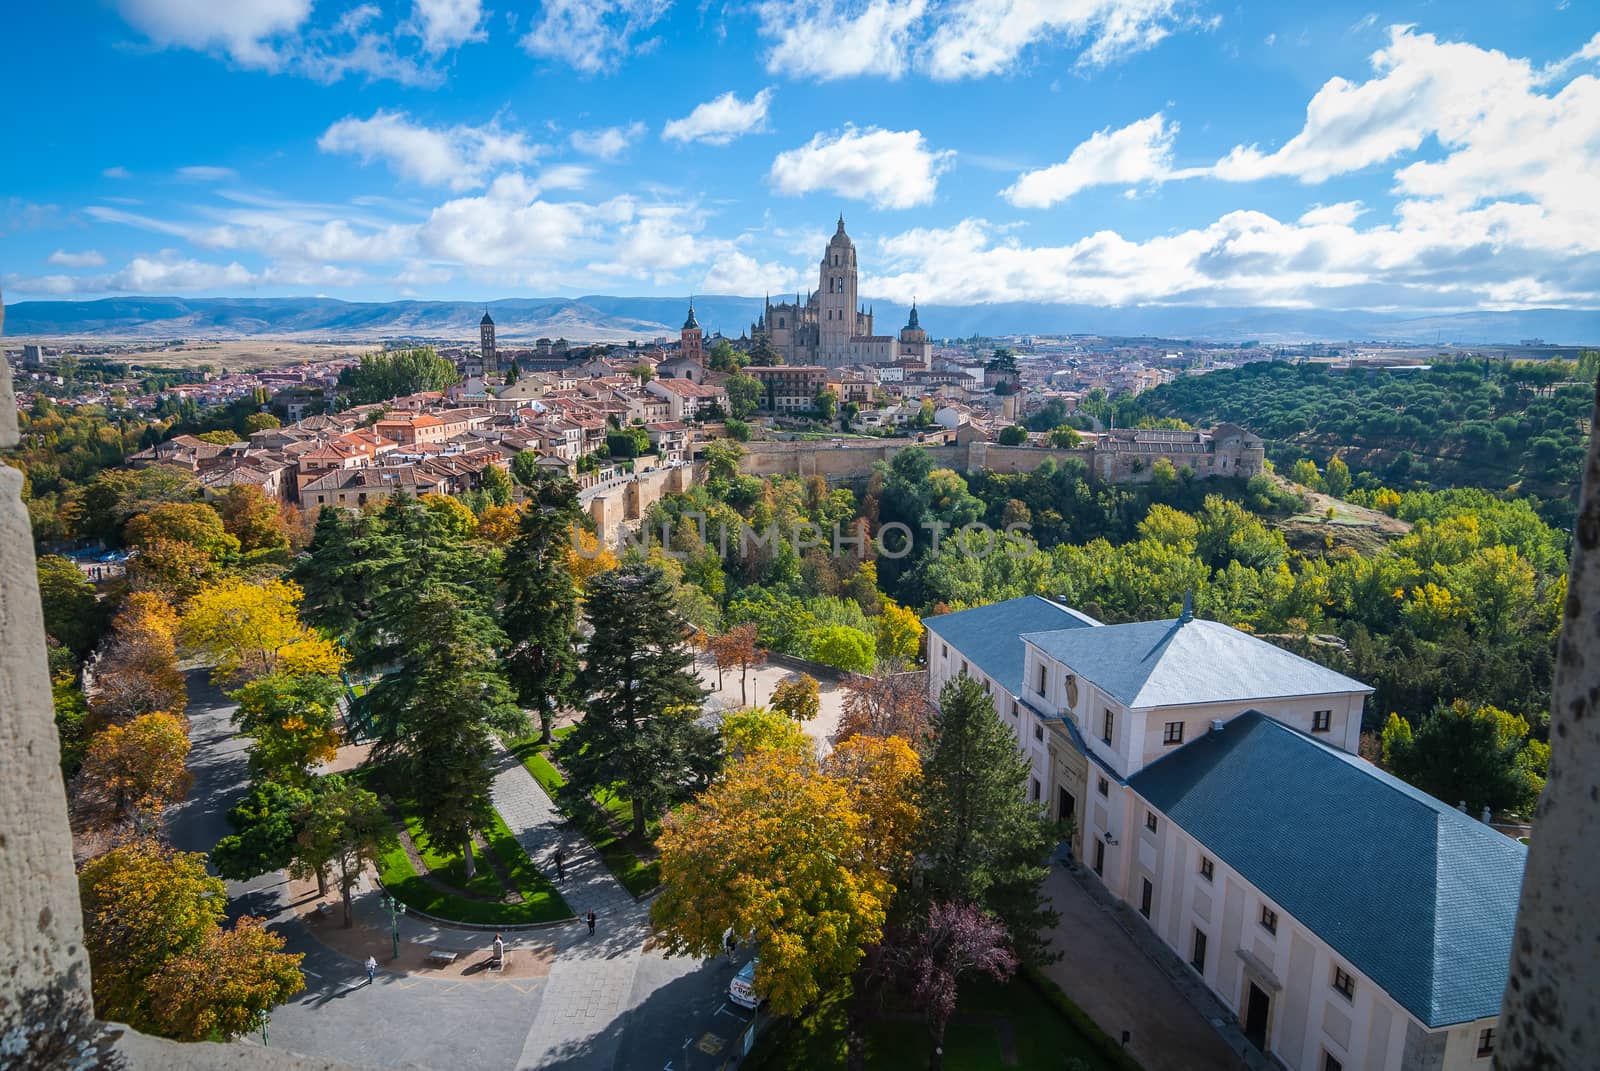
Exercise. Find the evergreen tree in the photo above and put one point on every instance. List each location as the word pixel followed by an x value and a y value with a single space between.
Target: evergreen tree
pixel 982 841
pixel 540 616
pixel 433 713
pixel 338 574
pixel 639 730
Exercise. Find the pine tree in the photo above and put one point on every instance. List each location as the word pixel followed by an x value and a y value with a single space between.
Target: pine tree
pixel 982 840
pixel 433 714
pixel 540 616
pixel 338 574
pixel 639 730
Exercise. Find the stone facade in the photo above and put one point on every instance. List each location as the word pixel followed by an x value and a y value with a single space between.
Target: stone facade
pixel 832 328
pixel 486 348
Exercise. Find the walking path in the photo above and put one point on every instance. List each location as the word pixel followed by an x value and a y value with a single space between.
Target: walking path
pixel 591 982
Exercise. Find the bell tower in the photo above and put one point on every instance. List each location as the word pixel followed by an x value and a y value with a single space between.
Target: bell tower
pixel 486 341
pixel 692 343
pixel 836 305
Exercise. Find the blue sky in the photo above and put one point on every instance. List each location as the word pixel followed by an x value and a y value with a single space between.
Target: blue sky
pixel 1421 156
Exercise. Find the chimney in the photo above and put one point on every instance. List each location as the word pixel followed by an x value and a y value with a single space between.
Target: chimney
pixel 1216 725
pixel 1462 806
pixel 1487 817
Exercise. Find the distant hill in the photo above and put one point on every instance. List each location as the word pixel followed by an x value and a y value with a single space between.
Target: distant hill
pixel 607 318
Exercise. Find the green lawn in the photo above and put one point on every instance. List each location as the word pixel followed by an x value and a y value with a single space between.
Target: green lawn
pixel 1045 1036
pixel 636 875
pixel 540 900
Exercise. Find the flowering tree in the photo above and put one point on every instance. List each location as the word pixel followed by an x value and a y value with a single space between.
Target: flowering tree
pixel 955 941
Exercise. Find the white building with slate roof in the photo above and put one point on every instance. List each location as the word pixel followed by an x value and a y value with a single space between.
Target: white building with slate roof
pixel 1349 920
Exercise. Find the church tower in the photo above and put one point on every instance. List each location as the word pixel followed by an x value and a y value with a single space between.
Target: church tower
pixel 836 299
pixel 486 341
pixel 692 343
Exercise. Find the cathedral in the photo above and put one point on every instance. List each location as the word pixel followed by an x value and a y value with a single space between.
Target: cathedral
pixel 832 328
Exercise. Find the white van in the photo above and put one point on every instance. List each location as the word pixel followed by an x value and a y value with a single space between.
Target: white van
pixel 742 990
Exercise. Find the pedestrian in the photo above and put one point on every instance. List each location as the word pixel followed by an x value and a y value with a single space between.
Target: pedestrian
pixel 590 920
pixel 372 970
pixel 561 864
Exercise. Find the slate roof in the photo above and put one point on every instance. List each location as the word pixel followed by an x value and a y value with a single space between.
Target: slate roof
pixel 1173 662
pixel 990 636
pixel 1419 897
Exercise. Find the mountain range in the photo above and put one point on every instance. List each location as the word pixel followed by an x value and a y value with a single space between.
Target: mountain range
pixel 614 319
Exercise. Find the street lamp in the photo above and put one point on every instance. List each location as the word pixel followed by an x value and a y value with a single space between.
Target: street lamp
pixel 396 909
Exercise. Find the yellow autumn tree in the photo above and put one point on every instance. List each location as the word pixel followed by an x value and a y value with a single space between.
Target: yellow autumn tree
pixel 137 671
pixel 499 524
pixel 753 729
pixel 775 852
pixel 134 770
pixel 799 697
pixel 248 630
pixel 588 557
pixel 225 987
pixel 881 775
pixel 899 633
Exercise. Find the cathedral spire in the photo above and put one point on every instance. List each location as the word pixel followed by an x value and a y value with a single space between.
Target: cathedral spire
pixel 841 222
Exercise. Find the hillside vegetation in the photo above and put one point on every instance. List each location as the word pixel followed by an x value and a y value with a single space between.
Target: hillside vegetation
pixel 1495 424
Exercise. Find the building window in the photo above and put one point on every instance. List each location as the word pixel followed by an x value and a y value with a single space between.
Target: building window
pixel 986 690
pixel 1035 781
pixel 1330 1063
pixel 1104 786
pixel 1173 733
pixel 1038 732
pixel 1043 679
pixel 1343 983
pixel 1111 721
pixel 1147 893
pixel 1198 959
pixel 944 650
pixel 1013 708
pixel 963 665
pixel 1269 919
pixel 1208 869
pixel 1486 1042
pixel 1100 858
pixel 1321 721
pixel 1150 821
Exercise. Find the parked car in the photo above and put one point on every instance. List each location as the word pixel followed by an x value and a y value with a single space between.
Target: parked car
pixel 742 990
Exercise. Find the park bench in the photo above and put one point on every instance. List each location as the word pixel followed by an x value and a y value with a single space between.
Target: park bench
pixel 443 957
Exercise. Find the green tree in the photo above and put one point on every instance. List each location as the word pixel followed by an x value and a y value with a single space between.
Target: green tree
pixel 381 376
pixel 266 825
pixel 1013 435
pixel 639 732
pixel 73 614
pixel 722 357
pixel 339 573
pixel 291 720
pixel 1304 472
pixel 982 841
pixel 722 457
pixel 1065 437
pixel 826 404
pixel 434 713
pixel 1461 751
pixel 745 394
pixel 799 698
pixel 540 606
pixel 1336 479
pixel 496 484
pixel 345 829
pixel 525 468
pixel 843 647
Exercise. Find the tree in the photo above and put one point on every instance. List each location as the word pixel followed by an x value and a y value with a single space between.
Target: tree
pixel 171 568
pixel 891 705
pixel 773 852
pixel 1304 473
pixel 143 903
pixel 540 609
pixel 1013 435
pixel 340 573
pixel 292 722
pixel 496 484
pixel 982 840
pixel 752 729
pixel 104 506
pixel 799 697
pixel 137 668
pixel 260 422
pixel 193 523
pixel 883 778
pixel 722 457
pixel 250 629
pixel 644 372
pixel 1336 479
pixel 253 519
pixel 1464 752
pixel 266 824
pixel 73 613
pixel 899 633
pixel 497 525
pixel 842 647
pixel 827 406
pixel 227 986
pixel 525 468
pixel 1065 437
pixel 745 394
pixel 135 770
pixel 346 829
pixel 639 731
pixel 433 715
pixel 738 647
pixel 955 941
pixel 513 374
pixel 381 376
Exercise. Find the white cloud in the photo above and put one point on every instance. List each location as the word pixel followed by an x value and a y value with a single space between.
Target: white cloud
pixel 238 28
pixel 1137 153
pixel 607 143
pixel 889 168
pixel 954 39
pixel 203 173
pixel 509 223
pixel 447 24
pixel 460 156
pixel 118 172
pixel 721 120
pixel 826 39
pixel 89 258
pixel 591 35
pixel 1342 214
